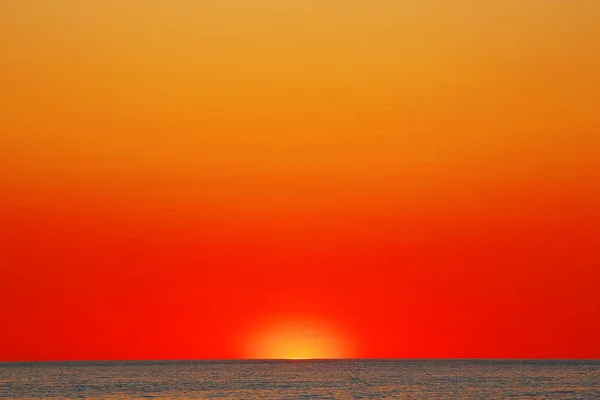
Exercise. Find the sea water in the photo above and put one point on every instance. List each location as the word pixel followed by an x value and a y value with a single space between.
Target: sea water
pixel 303 379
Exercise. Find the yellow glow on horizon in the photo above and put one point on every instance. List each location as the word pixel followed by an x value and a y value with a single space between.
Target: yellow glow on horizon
pixel 297 339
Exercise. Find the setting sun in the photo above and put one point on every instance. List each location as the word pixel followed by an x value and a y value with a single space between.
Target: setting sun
pixel 298 339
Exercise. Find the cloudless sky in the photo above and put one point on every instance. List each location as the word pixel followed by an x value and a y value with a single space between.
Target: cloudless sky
pixel 400 178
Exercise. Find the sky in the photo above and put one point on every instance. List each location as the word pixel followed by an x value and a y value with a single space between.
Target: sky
pixel 290 179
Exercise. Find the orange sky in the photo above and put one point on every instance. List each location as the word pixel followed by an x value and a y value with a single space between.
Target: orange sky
pixel 194 179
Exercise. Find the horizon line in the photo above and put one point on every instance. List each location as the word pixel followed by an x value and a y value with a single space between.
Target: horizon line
pixel 300 360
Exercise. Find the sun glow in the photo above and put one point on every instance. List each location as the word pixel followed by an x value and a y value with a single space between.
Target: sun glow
pixel 297 339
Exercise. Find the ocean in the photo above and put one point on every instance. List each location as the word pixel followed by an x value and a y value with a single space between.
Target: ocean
pixel 303 379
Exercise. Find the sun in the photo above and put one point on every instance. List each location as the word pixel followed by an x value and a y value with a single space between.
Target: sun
pixel 297 338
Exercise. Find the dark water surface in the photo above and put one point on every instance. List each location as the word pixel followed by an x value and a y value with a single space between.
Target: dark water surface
pixel 308 379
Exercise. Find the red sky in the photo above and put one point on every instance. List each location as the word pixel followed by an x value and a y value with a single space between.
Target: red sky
pixel 299 179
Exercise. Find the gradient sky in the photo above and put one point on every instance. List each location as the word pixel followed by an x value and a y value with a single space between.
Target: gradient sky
pixel 235 178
